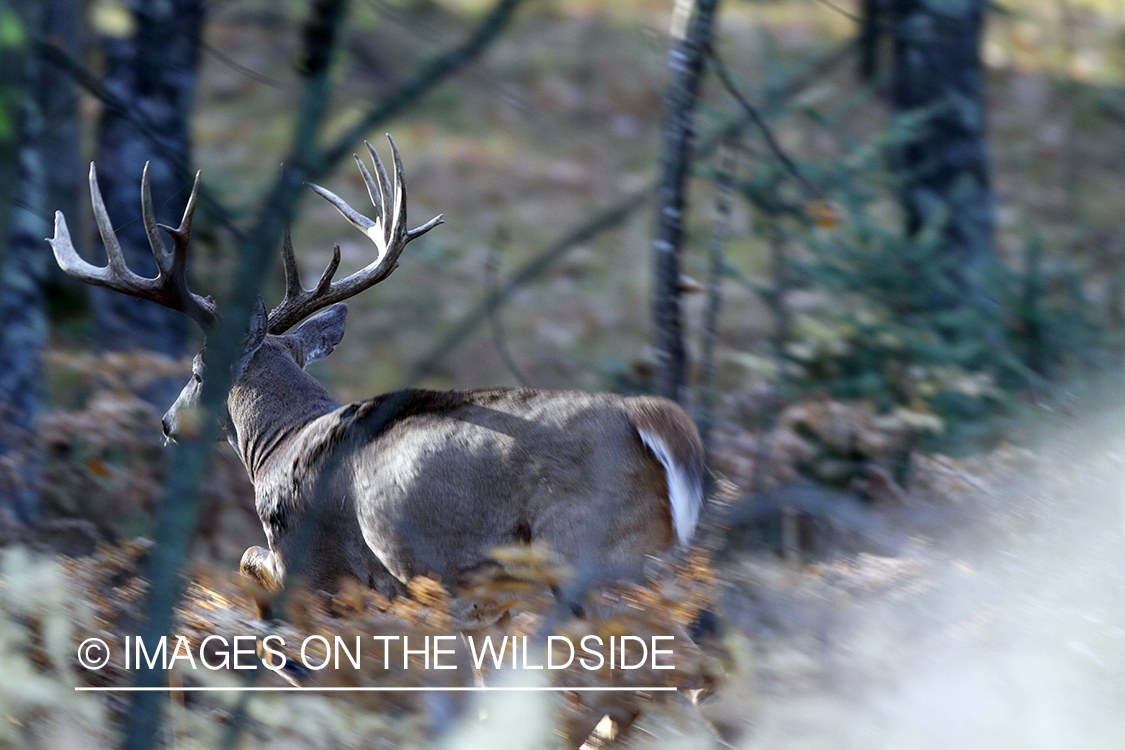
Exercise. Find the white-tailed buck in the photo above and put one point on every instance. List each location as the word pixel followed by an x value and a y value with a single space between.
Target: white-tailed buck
pixel 414 481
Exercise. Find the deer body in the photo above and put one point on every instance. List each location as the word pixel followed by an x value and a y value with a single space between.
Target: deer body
pixel 415 481
pixel 455 475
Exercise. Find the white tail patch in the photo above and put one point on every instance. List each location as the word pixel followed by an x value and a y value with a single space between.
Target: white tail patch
pixel 685 487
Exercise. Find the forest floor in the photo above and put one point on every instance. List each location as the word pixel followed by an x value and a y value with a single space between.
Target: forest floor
pixel 983 608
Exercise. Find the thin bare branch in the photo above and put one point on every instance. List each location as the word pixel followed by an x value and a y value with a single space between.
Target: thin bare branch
pixel 612 217
pixel 495 323
pixel 721 231
pixel 431 73
pixel 811 190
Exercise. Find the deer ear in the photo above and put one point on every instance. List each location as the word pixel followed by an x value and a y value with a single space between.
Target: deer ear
pixel 318 335
pixel 256 332
pixel 255 335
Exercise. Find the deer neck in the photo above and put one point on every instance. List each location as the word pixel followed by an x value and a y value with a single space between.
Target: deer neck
pixel 269 405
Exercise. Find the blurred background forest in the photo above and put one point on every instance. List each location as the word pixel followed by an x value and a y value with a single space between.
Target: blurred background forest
pixel 900 253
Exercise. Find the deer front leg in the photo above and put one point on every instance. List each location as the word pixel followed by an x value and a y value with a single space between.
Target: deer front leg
pixel 264 567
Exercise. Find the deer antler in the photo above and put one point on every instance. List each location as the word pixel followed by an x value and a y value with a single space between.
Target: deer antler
pixel 387 230
pixel 169 288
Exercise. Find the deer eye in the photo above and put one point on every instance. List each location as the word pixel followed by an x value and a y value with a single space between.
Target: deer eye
pixel 196 377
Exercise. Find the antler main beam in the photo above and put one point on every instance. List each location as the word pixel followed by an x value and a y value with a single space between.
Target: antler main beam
pixel 387 230
pixel 169 288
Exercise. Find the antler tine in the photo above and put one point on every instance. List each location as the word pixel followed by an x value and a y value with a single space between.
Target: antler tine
pixel 384 183
pixel 164 259
pixel 419 231
pixel 292 272
pixel 329 272
pixel 387 230
pixel 68 258
pixel 374 188
pixel 396 232
pixel 400 197
pixel 169 288
pixel 117 266
pixel 181 235
pixel 358 220
pixel 199 308
pixel 295 293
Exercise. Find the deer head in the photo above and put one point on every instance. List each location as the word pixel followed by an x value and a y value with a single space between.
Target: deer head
pixel 266 337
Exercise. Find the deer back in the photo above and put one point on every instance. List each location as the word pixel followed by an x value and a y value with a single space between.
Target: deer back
pixel 437 480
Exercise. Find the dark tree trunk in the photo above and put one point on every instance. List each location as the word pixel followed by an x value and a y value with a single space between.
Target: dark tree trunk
pixel 938 70
pixel 23 267
pixel 13 71
pixel 872 16
pixel 62 134
pixel 153 72
pixel 687 62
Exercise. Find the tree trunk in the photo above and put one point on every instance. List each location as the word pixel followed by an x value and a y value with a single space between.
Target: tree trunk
pixel 62 137
pixel 687 62
pixel 23 267
pixel 945 168
pixel 153 71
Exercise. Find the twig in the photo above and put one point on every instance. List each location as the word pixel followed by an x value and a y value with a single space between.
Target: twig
pixel 775 98
pixel 721 232
pixel 614 216
pixel 499 340
pixel 842 11
pixel 527 273
pixel 755 116
pixel 233 64
pixel 766 200
pixel 432 73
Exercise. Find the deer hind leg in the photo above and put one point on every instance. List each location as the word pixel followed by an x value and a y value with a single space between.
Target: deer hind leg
pixel 265 568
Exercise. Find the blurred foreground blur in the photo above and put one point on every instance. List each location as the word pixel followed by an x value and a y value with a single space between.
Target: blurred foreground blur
pixel 977 605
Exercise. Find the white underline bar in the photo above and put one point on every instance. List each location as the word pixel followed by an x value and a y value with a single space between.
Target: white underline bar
pixel 225 689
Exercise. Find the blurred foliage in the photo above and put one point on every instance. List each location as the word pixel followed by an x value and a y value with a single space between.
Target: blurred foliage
pixel 868 327
pixel 867 308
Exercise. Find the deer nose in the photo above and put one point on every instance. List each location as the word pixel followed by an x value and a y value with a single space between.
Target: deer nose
pixel 166 426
